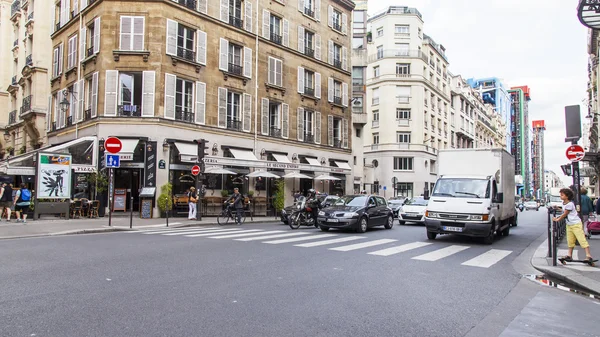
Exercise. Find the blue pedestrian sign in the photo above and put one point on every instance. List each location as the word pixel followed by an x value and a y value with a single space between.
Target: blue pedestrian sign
pixel 384 188
pixel 113 161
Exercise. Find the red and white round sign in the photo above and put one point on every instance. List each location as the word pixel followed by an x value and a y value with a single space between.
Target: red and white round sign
pixel 575 153
pixel 113 145
pixel 196 170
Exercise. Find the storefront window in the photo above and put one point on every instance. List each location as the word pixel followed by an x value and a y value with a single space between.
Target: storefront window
pixel 182 181
pixel 81 188
pixel 82 152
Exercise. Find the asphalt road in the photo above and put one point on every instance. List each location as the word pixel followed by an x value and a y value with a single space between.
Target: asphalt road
pixel 152 284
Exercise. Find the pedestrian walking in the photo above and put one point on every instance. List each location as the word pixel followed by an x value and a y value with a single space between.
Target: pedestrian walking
pixel 574 226
pixel 192 200
pixel 586 207
pixel 22 201
pixel 6 200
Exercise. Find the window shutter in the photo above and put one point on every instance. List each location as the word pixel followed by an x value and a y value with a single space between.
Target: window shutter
pixel 318 47
pixel 170 83
pixel 224 12
pixel 96 35
pixel 318 85
pixel 76 6
pixel 345 94
pixel 271 71
pixel 84 4
pixel 330 89
pixel 330 16
pixel 285 121
pixel 110 93
pixel 330 52
pixel 74 62
pixel 63 114
pixel 49 114
pixel 247 62
pixel 317 127
pixel 81 101
pixel 248 15
pixel 200 103
pixel 74 109
pixel 61 52
pixel 345 133
pixel 266 28
pixel 63 12
pixel 286 33
pixel 125 33
pixel 300 125
pixel 330 130
pixel 344 23
pixel 69 53
pixel 94 95
pixel 55 63
pixel 278 73
pixel 301 5
pixel 301 39
pixel 148 89
pixel 201 47
pixel 264 116
pixel 247 113
pixel 222 117
pixel 345 58
pixel 172 37
pixel 318 10
pixel 223 54
pixel 203 6
pixel 301 80
pixel 82 38
pixel 138 33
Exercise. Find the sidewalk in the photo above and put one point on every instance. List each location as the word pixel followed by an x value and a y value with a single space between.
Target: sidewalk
pixel 585 277
pixel 49 227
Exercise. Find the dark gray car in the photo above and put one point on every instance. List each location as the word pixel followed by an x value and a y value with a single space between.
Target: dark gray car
pixel 357 212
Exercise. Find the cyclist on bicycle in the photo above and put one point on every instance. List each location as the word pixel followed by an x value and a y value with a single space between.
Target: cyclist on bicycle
pixel 237 203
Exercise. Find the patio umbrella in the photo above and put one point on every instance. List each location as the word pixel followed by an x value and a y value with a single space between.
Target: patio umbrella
pixel 326 177
pixel 262 174
pixel 219 170
pixel 296 175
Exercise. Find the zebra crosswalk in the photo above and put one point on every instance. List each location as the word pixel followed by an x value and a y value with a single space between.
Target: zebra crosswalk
pixel 342 242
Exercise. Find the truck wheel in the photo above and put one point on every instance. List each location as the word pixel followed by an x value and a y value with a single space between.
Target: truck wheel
pixel 431 235
pixel 506 231
pixel 514 221
pixel 488 240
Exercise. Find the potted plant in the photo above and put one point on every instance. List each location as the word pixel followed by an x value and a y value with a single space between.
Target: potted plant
pixel 224 193
pixel 250 194
pixel 10 150
pixel 279 197
pixel 165 200
pixel 98 183
pixel 22 150
pixel 369 37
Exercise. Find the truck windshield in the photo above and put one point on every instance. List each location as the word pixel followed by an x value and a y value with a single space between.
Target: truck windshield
pixel 462 188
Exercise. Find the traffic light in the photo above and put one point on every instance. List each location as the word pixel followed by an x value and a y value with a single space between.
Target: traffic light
pixel 202 148
pixel 566 169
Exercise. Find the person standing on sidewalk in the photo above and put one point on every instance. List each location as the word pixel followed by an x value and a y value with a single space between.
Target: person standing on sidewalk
pixel 192 200
pixel 587 207
pixel 22 201
pixel 6 200
pixel 574 226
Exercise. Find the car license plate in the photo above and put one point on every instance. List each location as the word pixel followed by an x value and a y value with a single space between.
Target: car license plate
pixel 333 220
pixel 452 229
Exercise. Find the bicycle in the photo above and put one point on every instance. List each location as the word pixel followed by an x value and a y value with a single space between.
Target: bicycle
pixel 227 214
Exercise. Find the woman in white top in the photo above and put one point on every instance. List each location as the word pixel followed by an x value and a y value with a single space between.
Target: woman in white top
pixel 574 225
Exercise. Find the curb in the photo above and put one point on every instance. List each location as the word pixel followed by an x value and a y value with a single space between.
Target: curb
pixel 73 232
pixel 539 262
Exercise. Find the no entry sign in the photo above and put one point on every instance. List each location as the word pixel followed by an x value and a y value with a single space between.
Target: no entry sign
pixel 575 153
pixel 196 170
pixel 113 145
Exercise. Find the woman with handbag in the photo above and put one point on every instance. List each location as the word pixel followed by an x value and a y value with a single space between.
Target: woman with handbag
pixel 192 200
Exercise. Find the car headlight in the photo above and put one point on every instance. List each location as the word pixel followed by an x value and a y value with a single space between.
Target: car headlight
pixel 431 214
pixel 321 213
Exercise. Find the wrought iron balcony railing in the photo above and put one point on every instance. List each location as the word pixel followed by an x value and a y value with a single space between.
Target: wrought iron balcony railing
pixel 129 110
pixel 275 132
pixel 337 63
pixel 309 12
pixel 337 143
pixel 234 124
pixel 309 51
pixel 191 4
pixel 275 37
pixel 53 127
pixel 184 115
pixel 15 7
pixel 337 26
pixel 29 60
pixel 26 107
pixel 57 27
pixel 309 137
pixel 235 69
pixel 69 121
pixel 235 21
pixel 14 80
pixel 337 100
pixel 309 91
pixel 87 115
pixel 187 54
pixel 90 51
pixel 30 17
pixel 12 117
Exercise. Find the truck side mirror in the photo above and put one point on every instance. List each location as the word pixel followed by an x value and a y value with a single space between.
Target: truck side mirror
pixel 499 198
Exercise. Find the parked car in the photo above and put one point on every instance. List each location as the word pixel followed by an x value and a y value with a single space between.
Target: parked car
pixel 413 211
pixel 357 212
pixel 324 199
pixel 533 205
pixel 396 206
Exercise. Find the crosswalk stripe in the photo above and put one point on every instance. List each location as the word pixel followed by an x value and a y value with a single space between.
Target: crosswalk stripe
pixel 174 230
pixel 441 253
pixel 400 249
pixel 488 259
pixel 249 232
pixel 266 237
pixel 214 231
pixel 362 245
pixel 565 252
pixel 304 238
pixel 329 242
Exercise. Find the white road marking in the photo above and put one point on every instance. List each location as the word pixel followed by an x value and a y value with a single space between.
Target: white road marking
pixel 362 245
pixel 441 253
pixel 150 227
pixel 304 238
pixel 329 242
pixel 488 259
pixel 214 231
pixel 400 249
pixel 266 237
pixel 247 233
pixel 174 230
pixel 225 231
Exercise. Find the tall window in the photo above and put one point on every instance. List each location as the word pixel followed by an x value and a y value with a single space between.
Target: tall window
pixel 235 59
pixel 275 23
pixel 403 94
pixel 308 123
pixel 274 119
pixel 402 29
pixel 375 118
pixel 375 96
pixel 309 82
pixel 357 76
pixel 403 137
pixel 376 71
pixel 309 8
pixel 185 42
pixel 337 55
pixel 130 94
pixel 357 106
pixel 402 113
pixel 375 138
pixel 337 92
pixel 403 163
pixel 233 105
pixel 379 52
pixel 235 13
pixel 402 68
pixel 337 20
pixel 183 100
pixel 337 132
pixel 309 38
pixel 380 32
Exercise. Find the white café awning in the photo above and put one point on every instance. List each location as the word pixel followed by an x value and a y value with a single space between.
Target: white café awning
pixel 313 161
pixel 187 152
pixel 128 148
pixel 281 158
pixel 243 154
pixel 343 165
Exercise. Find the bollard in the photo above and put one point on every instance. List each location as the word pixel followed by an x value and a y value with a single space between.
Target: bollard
pixel 554 242
pixel 131 212
pixel 549 233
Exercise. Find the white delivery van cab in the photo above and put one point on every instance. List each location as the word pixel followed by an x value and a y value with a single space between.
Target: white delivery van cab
pixel 554 199
pixel 473 195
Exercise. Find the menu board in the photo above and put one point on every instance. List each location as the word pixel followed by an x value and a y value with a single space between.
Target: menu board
pixel 146 209
pixel 120 200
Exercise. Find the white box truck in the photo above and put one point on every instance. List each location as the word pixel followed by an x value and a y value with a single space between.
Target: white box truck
pixel 554 200
pixel 473 195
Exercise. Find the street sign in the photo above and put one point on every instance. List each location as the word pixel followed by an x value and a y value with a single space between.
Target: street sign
pixel 113 161
pixel 575 153
pixel 113 145
pixel 196 170
pixel 384 188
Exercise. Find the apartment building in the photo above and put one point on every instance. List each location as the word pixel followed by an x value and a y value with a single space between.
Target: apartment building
pixel 538 159
pixel 24 75
pixel 265 82
pixel 359 93
pixel 521 136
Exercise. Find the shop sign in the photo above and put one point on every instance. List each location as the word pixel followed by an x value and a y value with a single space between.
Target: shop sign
pixel 126 156
pixel 84 169
pixel 285 166
pixel 220 161
pixel 336 170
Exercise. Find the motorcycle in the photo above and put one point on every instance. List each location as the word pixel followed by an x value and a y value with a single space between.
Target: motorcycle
pixel 303 215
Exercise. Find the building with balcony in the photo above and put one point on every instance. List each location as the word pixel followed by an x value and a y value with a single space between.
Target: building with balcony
pixel 25 74
pixel 162 74
pixel 359 73
pixel 521 137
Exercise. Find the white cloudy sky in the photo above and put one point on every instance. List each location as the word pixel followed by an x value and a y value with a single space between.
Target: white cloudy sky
pixel 539 43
